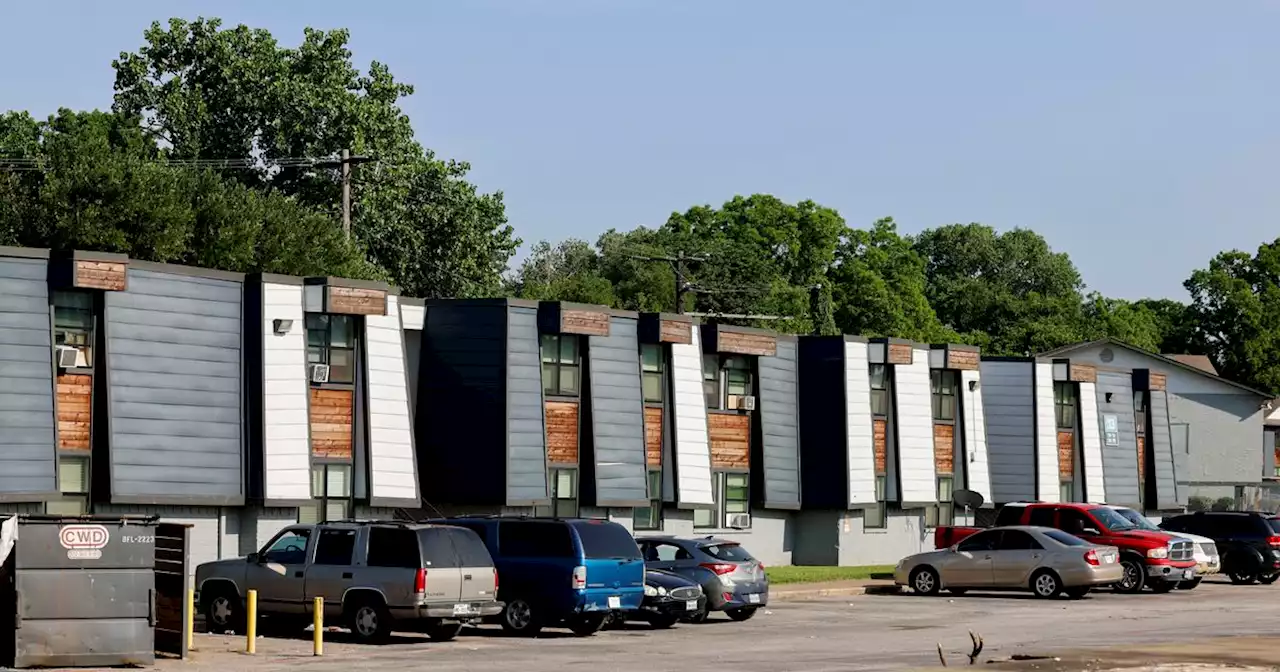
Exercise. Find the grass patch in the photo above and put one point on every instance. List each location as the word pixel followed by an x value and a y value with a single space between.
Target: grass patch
pixel 783 575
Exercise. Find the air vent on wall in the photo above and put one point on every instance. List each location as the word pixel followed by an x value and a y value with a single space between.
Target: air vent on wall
pixel 1106 355
pixel 737 521
pixel 319 373
pixel 747 403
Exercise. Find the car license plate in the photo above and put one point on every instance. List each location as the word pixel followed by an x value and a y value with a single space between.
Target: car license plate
pixel 462 610
pixel 1108 558
pixel 690 605
pixel 753 598
pixel 615 602
pixel 1188 575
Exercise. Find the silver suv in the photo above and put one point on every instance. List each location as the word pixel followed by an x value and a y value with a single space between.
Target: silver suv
pixel 373 575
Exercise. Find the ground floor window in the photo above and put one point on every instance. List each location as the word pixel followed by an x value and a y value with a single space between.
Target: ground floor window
pixel 732 503
pixel 942 513
pixel 564 495
pixel 876 517
pixel 650 517
pixel 1067 491
pixel 73 484
pixel 330 494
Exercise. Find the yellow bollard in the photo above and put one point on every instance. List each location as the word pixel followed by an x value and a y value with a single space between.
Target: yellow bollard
pixel 318 622
pixel 189 620
pixel 251 624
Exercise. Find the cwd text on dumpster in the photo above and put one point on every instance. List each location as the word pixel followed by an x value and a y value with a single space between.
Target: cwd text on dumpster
pixel 83 542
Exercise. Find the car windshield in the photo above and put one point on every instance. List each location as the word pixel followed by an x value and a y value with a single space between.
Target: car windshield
pixel 1137 519
pixel 602 540
pixel 1064 538
pixel 1112 520
pixel 728 552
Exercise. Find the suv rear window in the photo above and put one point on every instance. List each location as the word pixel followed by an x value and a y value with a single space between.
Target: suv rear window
pixel 392 547
pixel 437 548
pixel 1064 538
pixel 471 551
pixel 727 552
pixel 535 539
pixel 601 539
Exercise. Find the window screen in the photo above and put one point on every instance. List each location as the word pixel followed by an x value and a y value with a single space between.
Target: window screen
pixel 393 547
pixel 335 547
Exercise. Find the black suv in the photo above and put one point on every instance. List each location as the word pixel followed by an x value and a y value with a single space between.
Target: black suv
pixel 1248 541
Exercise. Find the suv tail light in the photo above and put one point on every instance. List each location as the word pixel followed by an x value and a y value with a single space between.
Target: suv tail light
pixel 420 583
pixel 495 580
pixel 1091 557
pixel 719 568
pixel 579 577
pixel 1273 541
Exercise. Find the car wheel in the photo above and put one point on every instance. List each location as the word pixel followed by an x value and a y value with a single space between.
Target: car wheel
pixel 443 632
pixel 1243 578
pixel 520 618
pixel 1078 592
pixel 1163 586
pixel 925 580
pixel 662 622
pixel 1268 579
pixel 587 625
pixel 1134 578
pixel 1190 585
pixel 1046 584
pixel 369 620
pixel 222 613
pixel 741 613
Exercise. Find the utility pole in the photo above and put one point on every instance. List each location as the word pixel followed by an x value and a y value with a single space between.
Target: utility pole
pixel 677 265
pixel 344 163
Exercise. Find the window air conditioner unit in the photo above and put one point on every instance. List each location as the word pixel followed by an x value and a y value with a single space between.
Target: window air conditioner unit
pixel 738 521
pixel 746 403
pixel 67 357
pixel 319 373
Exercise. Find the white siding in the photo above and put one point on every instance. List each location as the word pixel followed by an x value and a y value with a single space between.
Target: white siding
pixel 412 316
pixel 1091 444
pixel 976 468
pixel 286 441
pixel 392 472
pixel 1046 436
pixel 860 443
pixel 915 430
pixel 692 447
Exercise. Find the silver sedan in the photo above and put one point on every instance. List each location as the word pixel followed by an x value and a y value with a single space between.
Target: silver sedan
pixel 1045 561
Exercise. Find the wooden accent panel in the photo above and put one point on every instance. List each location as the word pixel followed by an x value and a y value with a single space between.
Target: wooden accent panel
pixel 562 432
pixel 356 301
pixel 110 276
pixel 1142 462
pixel 75 410
pixel 899 353
pixel 760 345
pixel 1066 454
pixel 675 331
pixel 963 360
pixel 585 322
pixel 1155 381
pixel 944 448
pixel 653 436
pixel 1082 373
pixel 331 422
pixel 730 435
pixel 880 440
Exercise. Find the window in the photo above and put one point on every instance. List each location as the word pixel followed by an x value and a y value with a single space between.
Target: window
pixel 1017 540
pixel 651 372
pixel 982 541
pixel 944 395
pixel 391 547
pixel 875 518
pixel 1074 522
pixel 602 539
pixel 1065 539
pixel 727 552
pixel 1140 412
pixel 704 518
pixel 471 550
pixel 335 547
pixel 738 379
pixel 732 495
pixel 664 552
pixel 650 517
pixel 290 548
pixel 331 340
pixel 564 495
pixel 559 365
pixel 942 513
pixel 73 483
pixel 1066 491
pixel 73 324
pixel 711 380
pixel 534 539
pixel 1064 400
pixel 879 390
pixel 331 490
pixel 1041 516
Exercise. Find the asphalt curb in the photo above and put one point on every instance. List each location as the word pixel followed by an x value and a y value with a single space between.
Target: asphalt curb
pixel 843 591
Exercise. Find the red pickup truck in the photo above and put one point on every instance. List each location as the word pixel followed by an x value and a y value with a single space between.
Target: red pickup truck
pixel 1153 559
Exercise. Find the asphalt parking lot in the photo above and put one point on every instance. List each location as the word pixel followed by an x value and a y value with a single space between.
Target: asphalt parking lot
pixel 869 632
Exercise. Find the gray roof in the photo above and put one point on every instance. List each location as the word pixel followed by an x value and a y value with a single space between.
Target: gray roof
pixel 1066 350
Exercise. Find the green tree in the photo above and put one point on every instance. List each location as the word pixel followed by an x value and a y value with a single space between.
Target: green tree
pixel 1129 321
pixel 569 271
pixel 878 286
pixel 1236 304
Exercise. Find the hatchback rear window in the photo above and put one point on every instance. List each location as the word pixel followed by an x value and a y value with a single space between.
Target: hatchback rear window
pixel 602 539
pixel 727 552
pixel 1065 539
pixel 1275 524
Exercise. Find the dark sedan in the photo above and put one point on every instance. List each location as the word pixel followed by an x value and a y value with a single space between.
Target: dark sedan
pixel 668 597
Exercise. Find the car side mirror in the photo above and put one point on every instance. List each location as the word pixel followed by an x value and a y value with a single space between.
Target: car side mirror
pixel 254 559
pixel 955 548
pixel 1090 530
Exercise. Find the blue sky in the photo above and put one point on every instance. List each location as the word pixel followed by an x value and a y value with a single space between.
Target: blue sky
pixel 1140 137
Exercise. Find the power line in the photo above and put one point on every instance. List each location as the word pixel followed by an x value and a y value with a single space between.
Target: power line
pixel 677 265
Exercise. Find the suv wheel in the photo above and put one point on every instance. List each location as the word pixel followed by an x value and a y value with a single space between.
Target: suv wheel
pixel 520 618
pixel 222 612
pixel 369 620
pixel 1268 579
pixel 1046 584
pixel 1134 578
pixel 1243 578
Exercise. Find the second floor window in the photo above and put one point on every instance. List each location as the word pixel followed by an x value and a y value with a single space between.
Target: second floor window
pixel 1064 402
pixel 331 340
pixel 726 379
pixel 560 365
pixel 73 324
pixel 944 395
pixel 651 371
pixel 879 389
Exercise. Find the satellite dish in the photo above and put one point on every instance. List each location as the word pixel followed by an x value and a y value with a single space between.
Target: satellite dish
pixel 967 498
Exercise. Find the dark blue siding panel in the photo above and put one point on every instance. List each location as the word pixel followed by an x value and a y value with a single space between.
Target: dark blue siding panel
pixel 1008 401
pixel 526 428
pixel 1162 447
pixel 1120 462
pixel 617 412
pixel 780 426
pixel 174 368
pixel 27 442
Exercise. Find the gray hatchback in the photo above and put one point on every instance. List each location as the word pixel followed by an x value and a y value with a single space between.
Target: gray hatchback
pixel 733 581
